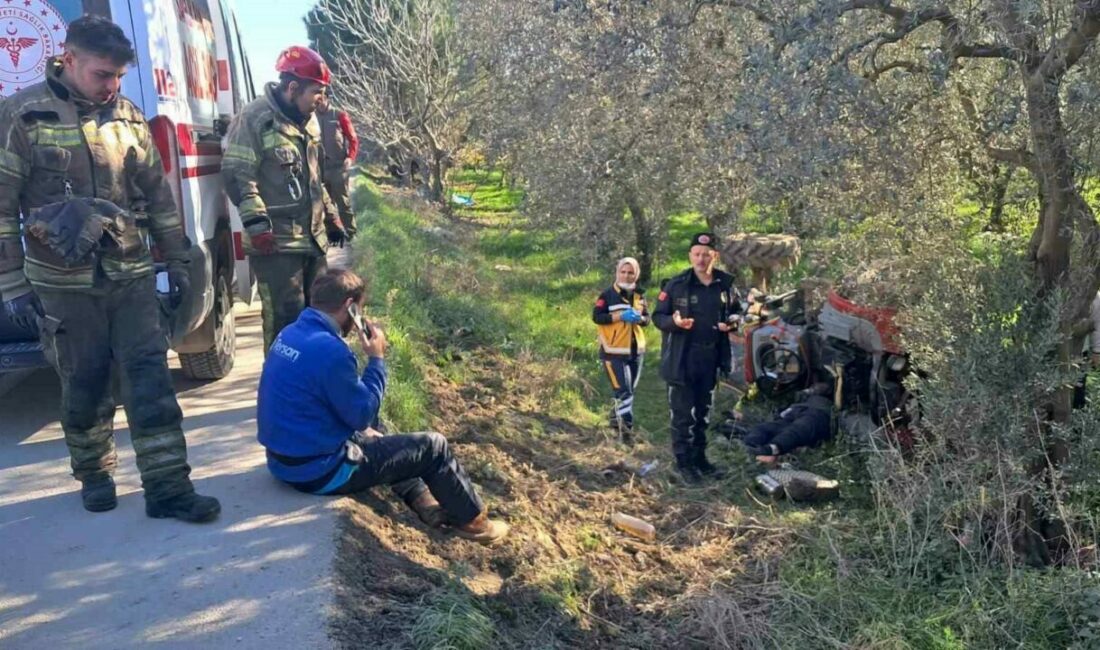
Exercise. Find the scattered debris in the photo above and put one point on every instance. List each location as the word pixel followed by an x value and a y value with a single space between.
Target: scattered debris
pixel 463 200
pixel 797 485
pixel 634 526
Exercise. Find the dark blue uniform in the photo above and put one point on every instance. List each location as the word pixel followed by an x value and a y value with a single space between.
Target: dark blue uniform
pixel 691 359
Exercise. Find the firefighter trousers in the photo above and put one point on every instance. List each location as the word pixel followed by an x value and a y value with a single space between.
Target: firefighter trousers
pixel 284 280
pixel 85 334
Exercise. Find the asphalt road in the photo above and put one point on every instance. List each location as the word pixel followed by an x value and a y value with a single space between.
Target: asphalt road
pixel 258 577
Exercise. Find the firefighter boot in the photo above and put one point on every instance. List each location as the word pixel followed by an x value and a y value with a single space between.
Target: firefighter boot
pixel 189 507
pixel 98 493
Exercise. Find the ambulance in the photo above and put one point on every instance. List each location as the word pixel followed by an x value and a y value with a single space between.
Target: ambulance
pixel 191 77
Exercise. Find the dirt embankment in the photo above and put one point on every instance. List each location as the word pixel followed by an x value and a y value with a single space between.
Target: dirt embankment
pixel 565 577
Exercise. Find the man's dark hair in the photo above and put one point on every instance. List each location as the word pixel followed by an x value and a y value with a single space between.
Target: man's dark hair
pixel 329 291
pixel 284 80
pixel 286 77
pixel 98 36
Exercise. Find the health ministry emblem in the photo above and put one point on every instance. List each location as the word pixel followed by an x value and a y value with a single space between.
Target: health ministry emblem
pixel 31 31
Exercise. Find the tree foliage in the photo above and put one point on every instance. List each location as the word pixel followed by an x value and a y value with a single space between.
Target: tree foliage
pixel 398 75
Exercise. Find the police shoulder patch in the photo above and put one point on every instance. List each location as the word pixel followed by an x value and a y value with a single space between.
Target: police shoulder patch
pixel 600 302
pixel 662 296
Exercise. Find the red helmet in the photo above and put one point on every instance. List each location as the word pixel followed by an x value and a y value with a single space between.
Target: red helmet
pixel 304 63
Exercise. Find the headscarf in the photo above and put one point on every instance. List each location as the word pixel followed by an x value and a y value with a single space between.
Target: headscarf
pixel 637 271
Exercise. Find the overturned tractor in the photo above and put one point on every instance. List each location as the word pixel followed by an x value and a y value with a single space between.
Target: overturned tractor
pixel 765 255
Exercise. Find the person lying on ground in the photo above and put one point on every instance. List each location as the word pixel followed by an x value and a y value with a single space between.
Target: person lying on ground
pixel 620 314
pixel 317 418
pixel 805 424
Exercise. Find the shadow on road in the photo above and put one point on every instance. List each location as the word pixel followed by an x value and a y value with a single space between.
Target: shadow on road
pixel 257 577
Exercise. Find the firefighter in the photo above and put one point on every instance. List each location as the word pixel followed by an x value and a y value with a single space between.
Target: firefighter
pixel 272 172
pixel 78 161
pixel 620 314
pixel 341 147
pixel 694 312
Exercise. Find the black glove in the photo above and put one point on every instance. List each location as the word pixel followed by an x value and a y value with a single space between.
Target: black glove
pixel 179 283
pixel 71 228
pixel 25 311
pixel 338 237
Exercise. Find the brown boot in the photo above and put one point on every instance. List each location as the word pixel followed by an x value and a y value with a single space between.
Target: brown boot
pixel 428 509
pixel 483 530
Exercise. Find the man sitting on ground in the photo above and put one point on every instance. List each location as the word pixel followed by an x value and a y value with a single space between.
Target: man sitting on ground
pixel 316 414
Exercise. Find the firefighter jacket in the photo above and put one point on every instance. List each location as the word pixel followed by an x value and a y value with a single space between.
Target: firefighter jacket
pixel 56 146
pixel 619 339
pixel 678 294
pixel 338 138
pixel 272 173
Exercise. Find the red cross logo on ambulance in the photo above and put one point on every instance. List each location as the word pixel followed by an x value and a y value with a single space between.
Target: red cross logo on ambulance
pixel 31 31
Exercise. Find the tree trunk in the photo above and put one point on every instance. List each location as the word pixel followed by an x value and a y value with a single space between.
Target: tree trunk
pixel 438 169
pixel 998 189
pixel 1062 211
pixel 643 237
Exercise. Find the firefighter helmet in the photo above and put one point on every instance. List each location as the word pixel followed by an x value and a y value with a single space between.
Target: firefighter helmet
pixel 304 63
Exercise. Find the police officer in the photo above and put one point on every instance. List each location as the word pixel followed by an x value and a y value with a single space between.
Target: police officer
pixel 75 156
pixel 272 172
pixel 341 146
pixel 693 312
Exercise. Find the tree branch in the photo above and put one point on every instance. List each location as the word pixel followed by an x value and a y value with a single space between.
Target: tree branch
pixel 908 66
pixel 1073 45
pixel 985 51
pixel 1020 157
pixel 907 21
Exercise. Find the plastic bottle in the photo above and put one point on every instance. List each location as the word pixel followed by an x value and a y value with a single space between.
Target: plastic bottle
pixel 634 526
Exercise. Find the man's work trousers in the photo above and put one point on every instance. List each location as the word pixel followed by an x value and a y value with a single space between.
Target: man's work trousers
pixel 411 464
pixel 623 372
pixel 338 184
pixel 689 403
pixel 810 428
pixel 83 334
pixel 284 280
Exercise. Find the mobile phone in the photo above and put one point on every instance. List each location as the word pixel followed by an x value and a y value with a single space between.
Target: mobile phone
pixel 357 318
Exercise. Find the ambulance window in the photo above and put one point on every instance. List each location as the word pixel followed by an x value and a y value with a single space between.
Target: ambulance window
pixel 199 58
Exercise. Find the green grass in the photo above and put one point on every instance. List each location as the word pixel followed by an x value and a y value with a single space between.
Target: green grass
pixel 452 621
pixel 487 190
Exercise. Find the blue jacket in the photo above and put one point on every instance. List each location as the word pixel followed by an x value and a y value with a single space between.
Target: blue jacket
pixel 312 398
